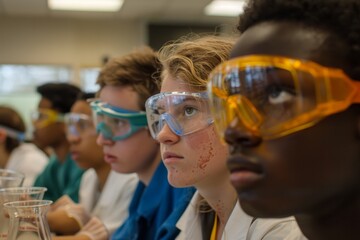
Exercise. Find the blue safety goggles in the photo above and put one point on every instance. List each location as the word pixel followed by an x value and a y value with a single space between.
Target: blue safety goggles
pixel 116 123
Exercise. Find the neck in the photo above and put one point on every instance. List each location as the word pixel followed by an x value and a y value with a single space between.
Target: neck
pixel 222 198
pixel 4 156
pixel 147 172
pixel 340 221
pixel 61 150
pixel 102 174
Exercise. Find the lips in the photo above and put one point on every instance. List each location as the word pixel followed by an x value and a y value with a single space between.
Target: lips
pixel 169 157
pixel 245 171
pixel 109 158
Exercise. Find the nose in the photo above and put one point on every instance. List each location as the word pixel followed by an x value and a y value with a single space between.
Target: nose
pixel 167 136
pixel 73 138
pixel 102 141
pixel 237 137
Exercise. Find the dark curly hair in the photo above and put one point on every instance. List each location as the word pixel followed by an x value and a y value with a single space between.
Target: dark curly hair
pixel 61 95
pixel 341 18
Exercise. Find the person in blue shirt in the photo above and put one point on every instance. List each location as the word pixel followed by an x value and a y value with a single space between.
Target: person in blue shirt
pixel 125 84
pixel 61 176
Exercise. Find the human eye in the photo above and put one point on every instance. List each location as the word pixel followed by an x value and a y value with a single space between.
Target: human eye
pixel 120 123
pixel 190 111
pixel 278 94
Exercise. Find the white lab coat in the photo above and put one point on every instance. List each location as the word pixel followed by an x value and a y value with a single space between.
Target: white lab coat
pixel 239 226
pixel 29 160
pixel 111 205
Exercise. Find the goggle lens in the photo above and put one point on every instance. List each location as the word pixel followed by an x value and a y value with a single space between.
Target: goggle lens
pixel 184 113
pixel 78 124
pixel 275 96
pixel 115 123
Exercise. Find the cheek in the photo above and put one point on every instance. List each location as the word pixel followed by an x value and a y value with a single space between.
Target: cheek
pixel 139 146
pixel 91 149
pixel 202 144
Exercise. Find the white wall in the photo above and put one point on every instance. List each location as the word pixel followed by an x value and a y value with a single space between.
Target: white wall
pixel 77 42
pixel 74 42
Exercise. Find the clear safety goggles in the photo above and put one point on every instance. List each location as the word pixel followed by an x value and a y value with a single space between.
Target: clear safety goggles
pixel 20 136
pixel 78 124
pixel 116 123
pixel 44 117
pixel 183 112
pixel 275 96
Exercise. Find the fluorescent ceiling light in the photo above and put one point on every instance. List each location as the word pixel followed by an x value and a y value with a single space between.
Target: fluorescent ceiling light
pixel 86 5
pixel 227 8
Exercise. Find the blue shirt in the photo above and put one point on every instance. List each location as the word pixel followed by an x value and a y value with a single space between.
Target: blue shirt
pixel 154 210
pixel 60 179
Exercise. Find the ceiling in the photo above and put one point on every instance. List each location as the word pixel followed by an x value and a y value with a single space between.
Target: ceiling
pixel 155 11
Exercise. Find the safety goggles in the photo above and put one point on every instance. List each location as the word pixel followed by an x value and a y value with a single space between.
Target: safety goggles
pixel 44 117
pixel 78 124
pixel 275 96
pixel 20 136
pixel 116 123
pixel 183 112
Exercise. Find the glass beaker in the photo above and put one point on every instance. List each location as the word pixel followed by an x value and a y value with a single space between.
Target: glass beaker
pixel 16 194
pixel 9 178
pixel 28 220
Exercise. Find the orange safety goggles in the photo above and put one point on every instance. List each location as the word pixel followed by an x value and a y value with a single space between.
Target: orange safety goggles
pixel 275 96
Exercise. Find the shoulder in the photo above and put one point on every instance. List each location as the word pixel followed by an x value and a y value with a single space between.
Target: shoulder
pixel 272 228
pixel 29 151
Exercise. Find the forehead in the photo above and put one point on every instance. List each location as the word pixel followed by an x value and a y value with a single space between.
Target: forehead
pixel 287 39
pixel 120 96
pixel 81 106
pixel 45 103
pixel 174 84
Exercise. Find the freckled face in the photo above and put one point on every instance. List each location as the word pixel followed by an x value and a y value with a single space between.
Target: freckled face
pixel 192 160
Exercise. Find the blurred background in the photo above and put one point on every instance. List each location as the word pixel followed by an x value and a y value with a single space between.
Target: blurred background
pixel 69 40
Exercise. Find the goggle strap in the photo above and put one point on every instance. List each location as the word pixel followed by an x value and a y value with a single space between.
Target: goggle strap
pixel 13 133
pixel 356 98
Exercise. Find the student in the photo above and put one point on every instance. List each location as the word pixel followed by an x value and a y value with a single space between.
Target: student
pixel 287 104
pixel 103 193
pixel 125 83
pixel 15 153
pixel 180 119
pixel 61 176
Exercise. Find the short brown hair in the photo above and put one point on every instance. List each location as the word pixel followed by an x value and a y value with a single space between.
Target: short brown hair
pixel 11 119
pixel 140 69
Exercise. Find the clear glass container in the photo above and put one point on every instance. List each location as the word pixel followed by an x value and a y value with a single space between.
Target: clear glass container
pixel 9 178
pixel 28 220
pixel 16 194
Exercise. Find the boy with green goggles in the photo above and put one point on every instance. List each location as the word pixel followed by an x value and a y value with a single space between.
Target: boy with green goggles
pixel 115 123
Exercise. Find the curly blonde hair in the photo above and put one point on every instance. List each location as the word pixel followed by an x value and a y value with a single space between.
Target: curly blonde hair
pixel 193 57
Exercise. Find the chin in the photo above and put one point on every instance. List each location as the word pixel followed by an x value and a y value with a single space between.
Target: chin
pixel 178 181
pixel 264 208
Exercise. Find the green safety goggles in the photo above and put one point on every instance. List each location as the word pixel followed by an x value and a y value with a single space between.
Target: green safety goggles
pixel 116 123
